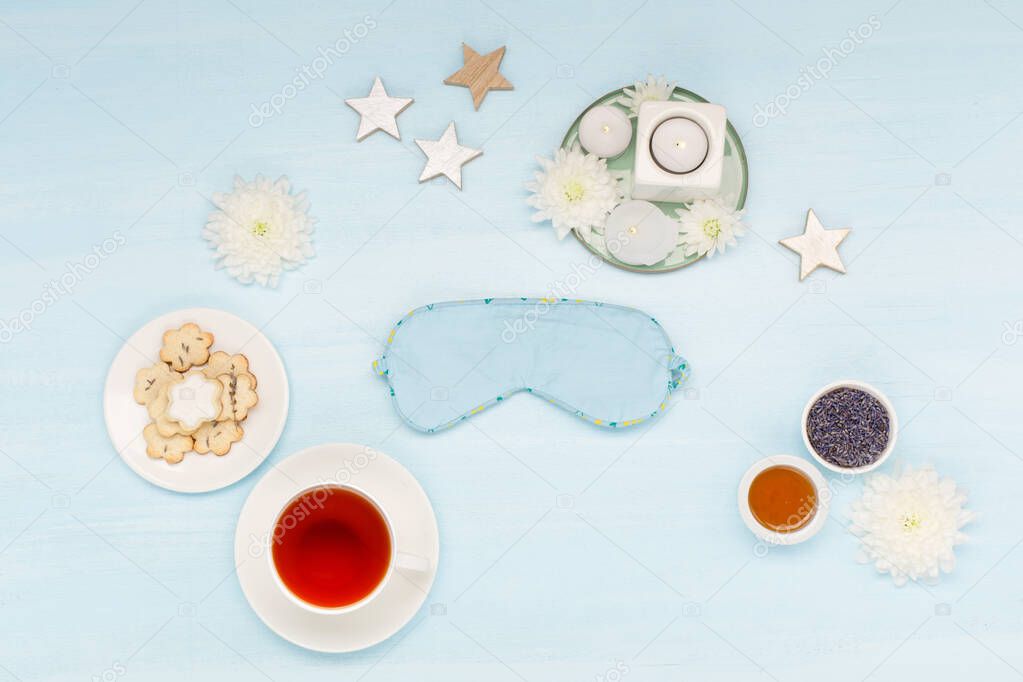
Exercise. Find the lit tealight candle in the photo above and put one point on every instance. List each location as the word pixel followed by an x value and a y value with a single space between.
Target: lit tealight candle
pixel 638 233
pixel 605 131
pixel 679 145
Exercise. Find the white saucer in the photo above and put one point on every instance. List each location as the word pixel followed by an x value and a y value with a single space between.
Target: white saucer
pixel 197 473
pixel 415 532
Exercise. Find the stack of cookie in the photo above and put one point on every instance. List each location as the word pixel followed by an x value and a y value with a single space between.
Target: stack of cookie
pixel 196 400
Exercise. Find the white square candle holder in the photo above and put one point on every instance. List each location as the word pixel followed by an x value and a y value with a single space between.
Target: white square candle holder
pixel 654 182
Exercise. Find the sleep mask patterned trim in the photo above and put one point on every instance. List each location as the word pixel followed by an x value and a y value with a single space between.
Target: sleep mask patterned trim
pixel 609 355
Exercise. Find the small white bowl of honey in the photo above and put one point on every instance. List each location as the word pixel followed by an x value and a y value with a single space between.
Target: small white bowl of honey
pixel 784 499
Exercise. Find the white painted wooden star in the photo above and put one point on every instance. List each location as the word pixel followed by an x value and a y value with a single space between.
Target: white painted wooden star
pixel 378 111
pixel 817 246
pixel 446 157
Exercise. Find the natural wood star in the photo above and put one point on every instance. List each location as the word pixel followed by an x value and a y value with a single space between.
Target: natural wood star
pixel 378 111
pixel 817 246
pixel 446 157
pixel 480 73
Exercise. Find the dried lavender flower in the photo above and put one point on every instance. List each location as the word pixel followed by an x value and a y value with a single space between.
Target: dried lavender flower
pixel 848 427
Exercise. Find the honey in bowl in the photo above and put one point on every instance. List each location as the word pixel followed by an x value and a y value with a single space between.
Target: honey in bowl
pixel 782 499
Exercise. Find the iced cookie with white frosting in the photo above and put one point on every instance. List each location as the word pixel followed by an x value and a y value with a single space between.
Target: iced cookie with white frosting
pixel 190 404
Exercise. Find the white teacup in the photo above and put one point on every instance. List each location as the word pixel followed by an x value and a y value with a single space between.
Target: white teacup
pixel 398 559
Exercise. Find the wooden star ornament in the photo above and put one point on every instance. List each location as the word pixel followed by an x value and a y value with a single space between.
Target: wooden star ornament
pixel 817 246
pixel 446 157
pixel 378 111
pixel 480 73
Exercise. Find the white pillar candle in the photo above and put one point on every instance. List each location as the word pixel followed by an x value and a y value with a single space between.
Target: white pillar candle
pixel 605 131
pixel 638 233
pixel 679 145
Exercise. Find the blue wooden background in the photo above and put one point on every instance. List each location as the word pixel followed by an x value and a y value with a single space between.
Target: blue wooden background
pixel 568 552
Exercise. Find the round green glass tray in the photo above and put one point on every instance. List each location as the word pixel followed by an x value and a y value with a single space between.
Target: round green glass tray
pixel 734 182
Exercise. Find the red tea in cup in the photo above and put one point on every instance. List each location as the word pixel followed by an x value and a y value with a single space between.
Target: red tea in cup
pixel 331 547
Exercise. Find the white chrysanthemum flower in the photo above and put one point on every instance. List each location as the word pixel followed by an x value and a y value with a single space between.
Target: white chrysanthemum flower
pixel 708 227
pixel 575 191
pixel 650 90
pixel 909 526
pixel 260 229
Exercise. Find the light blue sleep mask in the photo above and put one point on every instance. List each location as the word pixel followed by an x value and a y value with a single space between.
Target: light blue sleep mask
pixel 611 365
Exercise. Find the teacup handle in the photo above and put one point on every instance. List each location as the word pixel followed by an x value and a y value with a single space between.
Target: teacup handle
pixel 411 562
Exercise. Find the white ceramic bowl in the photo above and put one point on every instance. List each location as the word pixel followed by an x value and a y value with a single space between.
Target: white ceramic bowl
pixel 820 515
pixel 893 426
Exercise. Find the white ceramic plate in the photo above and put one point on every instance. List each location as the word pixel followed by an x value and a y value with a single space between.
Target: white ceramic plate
pixel 415 532
pixel 197 473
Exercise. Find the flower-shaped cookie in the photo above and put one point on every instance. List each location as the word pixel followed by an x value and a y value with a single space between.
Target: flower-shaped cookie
pixel 239 396
pixel 217 437
pixel 224 363
pixel 190 403
pixel 171 449
pixel 186 347
pixel 149 381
